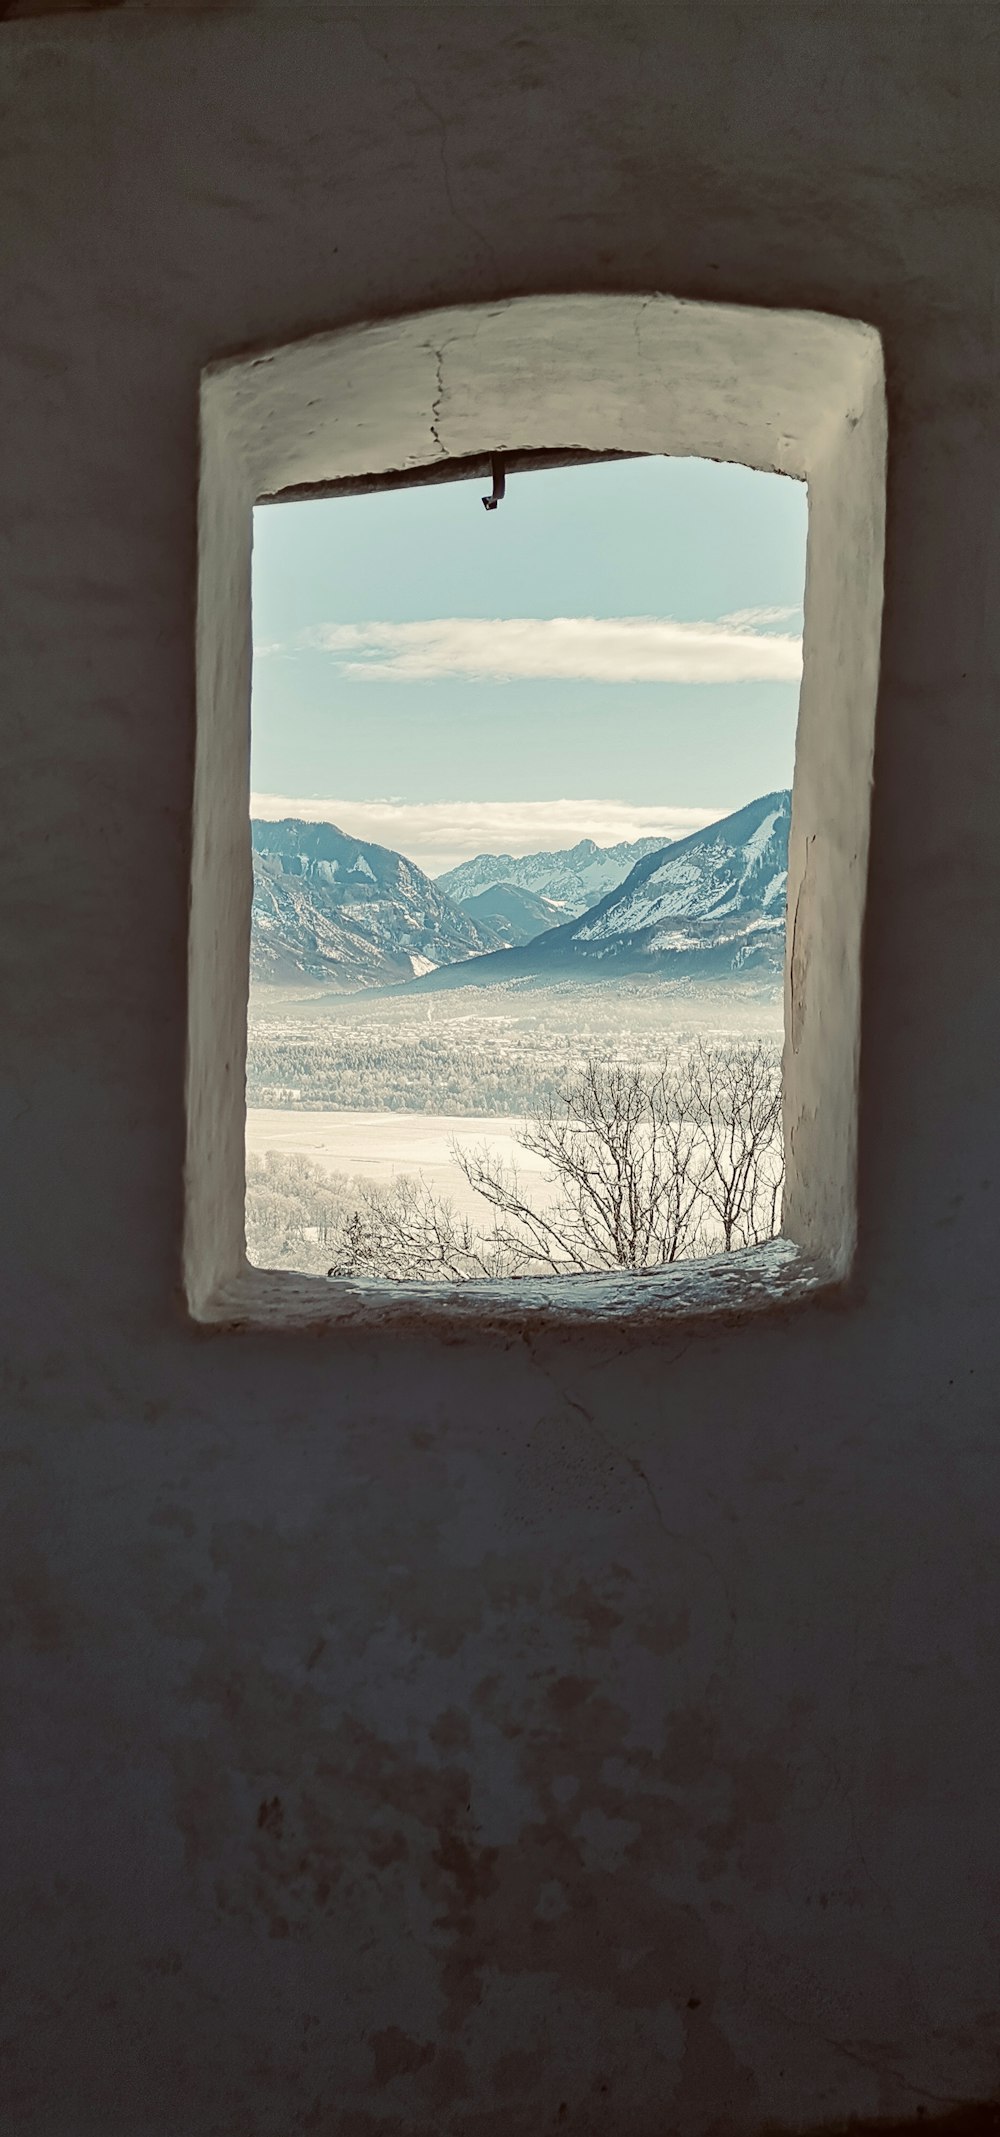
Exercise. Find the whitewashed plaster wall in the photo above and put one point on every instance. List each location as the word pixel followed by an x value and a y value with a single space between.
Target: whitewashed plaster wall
pixel 421 1737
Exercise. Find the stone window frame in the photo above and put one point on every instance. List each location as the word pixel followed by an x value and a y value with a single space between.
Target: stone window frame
pixel 794 392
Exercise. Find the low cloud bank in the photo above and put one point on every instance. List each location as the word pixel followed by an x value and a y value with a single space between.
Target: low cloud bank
pixel 439 834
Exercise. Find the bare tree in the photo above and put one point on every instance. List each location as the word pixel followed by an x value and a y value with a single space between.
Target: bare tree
pixel 299 1216
pixel 645 1169
pixel 625 1165
pixel 732 1095
pixel 408 1233
pixel 295 1211
pixel 641 1168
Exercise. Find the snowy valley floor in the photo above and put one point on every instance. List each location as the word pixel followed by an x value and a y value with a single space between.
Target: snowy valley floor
pixel 379 1086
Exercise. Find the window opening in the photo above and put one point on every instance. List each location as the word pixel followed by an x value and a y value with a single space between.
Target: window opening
pixel 645 374
pixel 520 851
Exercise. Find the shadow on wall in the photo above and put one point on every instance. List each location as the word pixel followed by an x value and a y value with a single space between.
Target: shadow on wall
pixel 11 9
pixel 982 2120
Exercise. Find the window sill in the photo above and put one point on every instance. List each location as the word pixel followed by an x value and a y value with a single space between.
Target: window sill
pixel 723 1287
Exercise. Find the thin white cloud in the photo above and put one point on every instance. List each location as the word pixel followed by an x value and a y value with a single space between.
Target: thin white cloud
pixel 609 649
pixel 439 834
pixel 751 619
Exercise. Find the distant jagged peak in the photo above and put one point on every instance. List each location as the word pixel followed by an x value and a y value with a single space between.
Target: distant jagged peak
pixel 571 876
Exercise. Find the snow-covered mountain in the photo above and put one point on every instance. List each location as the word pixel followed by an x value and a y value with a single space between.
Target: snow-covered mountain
pixel 517 914
pixel 573 879
pixel 708 907
pixel 721 891
pixel 352 915
pixel 335 910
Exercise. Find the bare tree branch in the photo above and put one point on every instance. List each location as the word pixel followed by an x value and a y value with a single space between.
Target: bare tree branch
pixel 639 1170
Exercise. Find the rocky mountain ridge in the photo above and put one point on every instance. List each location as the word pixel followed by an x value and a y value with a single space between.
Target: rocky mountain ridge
pixel 338 910
pixel 573 878
pixel 518 914
pixel 711 906
pixel 342 913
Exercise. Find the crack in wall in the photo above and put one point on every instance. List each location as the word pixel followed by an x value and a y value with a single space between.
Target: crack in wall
pixel 632 1462
pixel 871 2063
pixel 458 215
pixel 676 1537
pixel 437 402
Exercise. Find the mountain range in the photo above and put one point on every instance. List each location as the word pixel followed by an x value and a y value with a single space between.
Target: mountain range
pixel 710 906
pixel 336 910
pixel 572 879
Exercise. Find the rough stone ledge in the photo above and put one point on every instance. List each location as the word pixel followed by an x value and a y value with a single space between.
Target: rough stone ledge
pixel 722 1287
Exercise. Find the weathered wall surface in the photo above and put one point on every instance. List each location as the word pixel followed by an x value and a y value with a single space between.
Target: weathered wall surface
pixel 406 1739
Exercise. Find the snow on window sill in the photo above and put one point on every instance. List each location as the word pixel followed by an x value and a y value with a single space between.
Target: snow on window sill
pixel 721 1287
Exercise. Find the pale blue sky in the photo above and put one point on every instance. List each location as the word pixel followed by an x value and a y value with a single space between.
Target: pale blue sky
pixel 347 720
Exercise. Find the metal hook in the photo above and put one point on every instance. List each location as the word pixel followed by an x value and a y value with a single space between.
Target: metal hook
pixel 499 482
